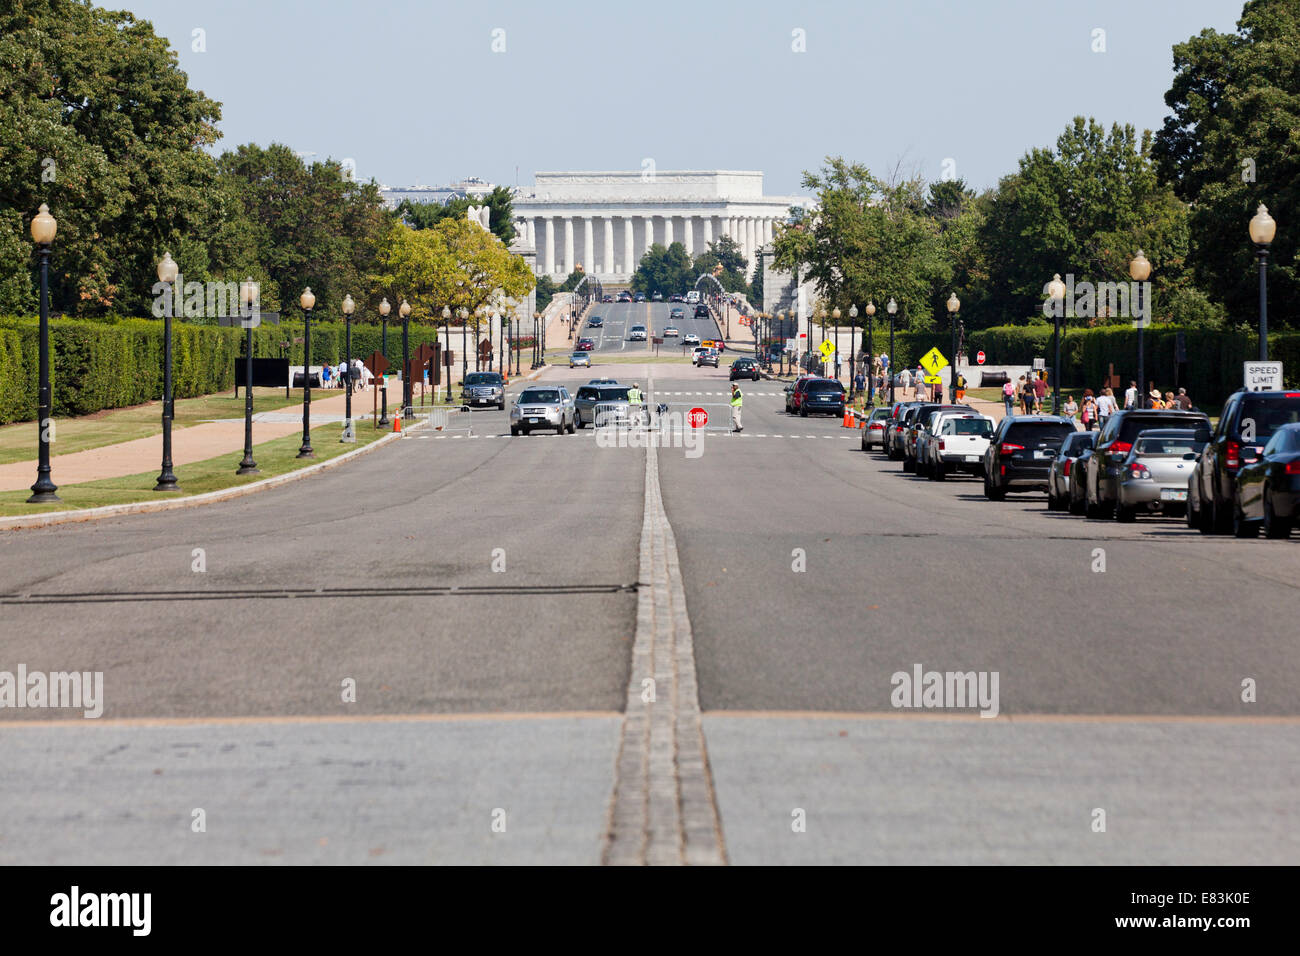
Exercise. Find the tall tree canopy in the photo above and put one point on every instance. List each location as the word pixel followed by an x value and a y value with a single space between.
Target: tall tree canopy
pixel 500 203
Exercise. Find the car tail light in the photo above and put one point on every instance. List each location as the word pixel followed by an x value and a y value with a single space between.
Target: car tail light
pixel 941 445
pixel 1293 394
pixel 1066 469
pixel 1232 457
pixel 1139 470
pixel 1121 448
pixel 1008 448
pixel 1293 467
pixel 1004 471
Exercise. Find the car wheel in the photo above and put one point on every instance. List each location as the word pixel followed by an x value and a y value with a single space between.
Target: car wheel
pixel 1274 526
pixel 1052 500
pixel 572 427
pixel 581 422
pixel 1125 514
pixel 939 472
pixel 1076 506
pixel 1193 515
pixel 1090 509
pixel 1241 528
pixel 909 465
pixel 501 407
pixel 514 431
pixel 991 492
pixel 803 411
pixel 1220 516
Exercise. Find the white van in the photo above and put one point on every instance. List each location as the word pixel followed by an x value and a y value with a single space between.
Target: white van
pixel 693 297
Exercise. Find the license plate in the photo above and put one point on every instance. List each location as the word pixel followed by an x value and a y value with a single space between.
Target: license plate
pixel 972 458
pixel 1042 454
pixel 1170 494
pixel 532 421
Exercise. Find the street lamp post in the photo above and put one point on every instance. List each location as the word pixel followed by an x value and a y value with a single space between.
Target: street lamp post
pixel 780 319
pixel 892 309
pixel 404 310
pixel 1056 292
pixel 463 314
pixel 384 309
pixel 308 302
pixel 442 352
pixel 248 293
pixel 44 228
pixel 954 305
pixel 1139 269
pixel 537 321
pixel 348 308
pixel 871 351
pixel 167 270
pixel 853 346
pixel 1262 228
pixel 835 315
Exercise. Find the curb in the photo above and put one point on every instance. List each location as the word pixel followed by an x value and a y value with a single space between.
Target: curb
pixel 20 522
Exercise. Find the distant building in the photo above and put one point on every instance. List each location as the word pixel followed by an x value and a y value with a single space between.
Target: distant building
pixel 471 188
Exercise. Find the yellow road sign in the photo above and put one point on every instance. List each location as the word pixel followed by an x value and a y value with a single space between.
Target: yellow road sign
pixel 827 348
pixel 933 380
pixel 934 361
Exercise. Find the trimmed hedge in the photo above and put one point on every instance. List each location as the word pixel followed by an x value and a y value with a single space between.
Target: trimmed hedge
pixel 96 365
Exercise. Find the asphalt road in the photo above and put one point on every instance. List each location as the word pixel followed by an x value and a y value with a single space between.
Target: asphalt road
pixel 812 574
pixel 619 317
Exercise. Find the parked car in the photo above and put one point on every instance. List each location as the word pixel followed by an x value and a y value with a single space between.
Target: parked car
pixel 636 333
pixel 1115 441
pixel 1020 453
pixel 1058 476
pixel 658 297
pixel 701 311
pixel 690 338
pixel 821 395
pixel 608 298
pixel 1268 489
pixel 1155 472
pixel 1078 503
pixel 595 322
pixel 584 345
pixel 745 368
pixel 789 393
pixel 606 399
pixel 484 388
pixel 1248 422
pixel 703 356
pixel 579 358
pixel 676 297
pixel 640 297
pixel 625 297
pixel 955 442
pixel 894 429
pixel 917 418
pixel 873 432
pixel 537 407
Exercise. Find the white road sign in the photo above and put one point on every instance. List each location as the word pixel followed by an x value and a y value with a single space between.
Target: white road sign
pixel 1262 376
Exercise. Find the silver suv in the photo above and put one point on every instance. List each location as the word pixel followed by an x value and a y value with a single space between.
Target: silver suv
pixel 636 334
pixel 484 388
pixel 542 406
pixel 601 403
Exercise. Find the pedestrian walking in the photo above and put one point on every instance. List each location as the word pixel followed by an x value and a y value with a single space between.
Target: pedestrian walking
pixel 1027 395
pixel 1131 395
pixel 1106 406
pixel 860 383
pixel 905 379
pixel 1156 401
pixel 1184 400
pixel 1008 397
pixel 1088 414
pixel 1040 390
pixel 961 387
pixel 1070 408
pixel 325 377
pixel 737 401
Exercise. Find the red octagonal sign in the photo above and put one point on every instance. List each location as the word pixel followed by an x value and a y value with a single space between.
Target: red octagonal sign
pixel 697 417
pixel 979 357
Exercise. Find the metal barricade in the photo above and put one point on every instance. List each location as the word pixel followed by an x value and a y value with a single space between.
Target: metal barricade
pixel 457 419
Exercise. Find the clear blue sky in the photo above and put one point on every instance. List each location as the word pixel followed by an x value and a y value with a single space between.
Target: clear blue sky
pixel 413 92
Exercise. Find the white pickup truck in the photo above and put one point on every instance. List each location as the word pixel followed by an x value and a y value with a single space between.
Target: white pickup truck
pixel 957 443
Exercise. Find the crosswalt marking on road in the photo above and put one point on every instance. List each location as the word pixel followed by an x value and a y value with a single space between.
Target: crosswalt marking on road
pixel 1279 719
pixel 272 719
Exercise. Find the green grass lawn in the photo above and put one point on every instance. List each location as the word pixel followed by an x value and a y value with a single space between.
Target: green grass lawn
pixel 18 441
pixel 274 457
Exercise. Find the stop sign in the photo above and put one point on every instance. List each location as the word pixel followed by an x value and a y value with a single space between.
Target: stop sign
pixel 697 417
pixel 979 357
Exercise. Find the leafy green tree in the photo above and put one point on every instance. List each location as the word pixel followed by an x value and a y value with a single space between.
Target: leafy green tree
pixel 724 261
pixel 500 203
pixel 664 270
pixel 97 120
pixel 1231 143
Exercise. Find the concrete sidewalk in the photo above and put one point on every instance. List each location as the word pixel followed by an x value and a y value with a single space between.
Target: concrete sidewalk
pixel 191 444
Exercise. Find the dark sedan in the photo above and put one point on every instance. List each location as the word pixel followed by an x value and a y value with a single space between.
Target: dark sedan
pixel 744 368
pixel 1268 489
pixel 595 322
pixel 584 345
pixel 1058 476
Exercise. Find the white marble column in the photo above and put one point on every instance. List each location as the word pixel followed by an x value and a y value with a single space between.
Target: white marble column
pixel 588 245
pixel 607 262
pixel 749 240
pixel 548 262
pixel 767 230
pixel 649 234
pixel 629 262
pixel 668 231
pixel 568 245
pixel 688 234
pixel 708 231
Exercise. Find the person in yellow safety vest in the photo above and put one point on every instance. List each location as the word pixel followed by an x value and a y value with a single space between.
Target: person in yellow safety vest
pixel 635 402
pixel 737 401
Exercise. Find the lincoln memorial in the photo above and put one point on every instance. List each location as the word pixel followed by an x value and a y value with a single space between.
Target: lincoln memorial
pixel 607 220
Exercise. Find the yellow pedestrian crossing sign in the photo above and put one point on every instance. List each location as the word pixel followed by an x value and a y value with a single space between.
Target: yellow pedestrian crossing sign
pixel 934 362
pixel 827 348
pixel 933 380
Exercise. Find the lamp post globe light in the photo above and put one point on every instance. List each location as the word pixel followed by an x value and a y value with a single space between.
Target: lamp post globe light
pixel 1056 292
pixel 308 302
pixel 892 309
pixel 167 272
pixel 1139 269
pixel 442 352
pixel 954 306
pixel 44 228
pixel 348 308
pixel 1262 228
pixel 404 310
pixel 384 309
pixel 248 295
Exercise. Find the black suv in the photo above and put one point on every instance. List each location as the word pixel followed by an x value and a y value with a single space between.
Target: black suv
pixel 1249 420
pixel 701 311
pixel 1020 453
pixel 744 368
pixel 1115 441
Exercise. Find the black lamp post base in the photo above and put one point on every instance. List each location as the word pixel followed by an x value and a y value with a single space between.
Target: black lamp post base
pixel 306 452
pixel 167 482
pixel 248 467
pixel 43 496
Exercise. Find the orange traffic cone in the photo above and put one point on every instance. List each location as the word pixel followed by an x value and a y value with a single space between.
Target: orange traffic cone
pixel 848 417
pixel 397 421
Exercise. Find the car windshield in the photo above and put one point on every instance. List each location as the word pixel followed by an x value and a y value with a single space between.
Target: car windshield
pixel 879 414
pixel 1167 447
pixel 1133 425
pixel 483 378
pixel 825 387
pixel 638 328
pixel 967 426
pixel 614 394
pixel 581 356
pixel 541 396
pixel 1032 434
pixel 1268 414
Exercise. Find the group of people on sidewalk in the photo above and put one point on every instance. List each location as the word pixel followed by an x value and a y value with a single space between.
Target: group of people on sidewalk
pixel 1031 391
pixel 335 376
